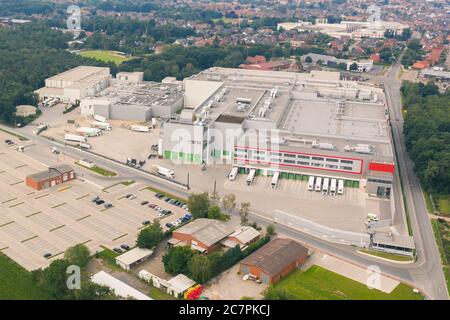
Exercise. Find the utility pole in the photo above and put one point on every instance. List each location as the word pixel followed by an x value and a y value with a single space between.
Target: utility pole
pixel 214 192
pixel 188 181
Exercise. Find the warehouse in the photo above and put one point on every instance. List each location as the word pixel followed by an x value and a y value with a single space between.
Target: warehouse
pixel 130 98
pixel 274 261
pixel 133 257
pixel 119 288
pixel 295 123
pixel 76 84
pixel 202 234
pixel 53 176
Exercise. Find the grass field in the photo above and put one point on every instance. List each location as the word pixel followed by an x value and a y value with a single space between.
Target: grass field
pixel 157 294
pixel 99 170
pixel 386 255
pixel 320 284
pixel 105 55
pixel 16 284
pixel 109 258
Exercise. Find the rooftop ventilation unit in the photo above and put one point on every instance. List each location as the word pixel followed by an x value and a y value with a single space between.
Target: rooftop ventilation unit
pixel 360 148
pixel 240 107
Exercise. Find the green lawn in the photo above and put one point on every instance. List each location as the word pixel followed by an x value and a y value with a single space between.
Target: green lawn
pixel 320 284
pixel 386 255
pixel 157 294
pixel 105 55
pixel 99 170
pixel 109 257
pixel 16 283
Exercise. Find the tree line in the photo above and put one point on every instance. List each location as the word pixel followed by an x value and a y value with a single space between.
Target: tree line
pixel 30 54
pixel 427 134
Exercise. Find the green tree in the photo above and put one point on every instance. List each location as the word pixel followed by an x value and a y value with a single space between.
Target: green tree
pixel 199 204
pixel 243 212
pixel 270 230
pixel 176 259
pixel 229 202
pixel 150 236
pixel 354 66
pixel 214 212
pixel 200 268
pixel 78 255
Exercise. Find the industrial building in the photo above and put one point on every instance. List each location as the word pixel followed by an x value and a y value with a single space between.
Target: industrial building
pixel 53 176
pixel 346 29
pixel 130 98
pixel 274 261
pixel 295 123
pixel 76 84
pixel 330 61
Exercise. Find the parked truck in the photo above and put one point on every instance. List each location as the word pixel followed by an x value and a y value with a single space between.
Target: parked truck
pixel 153 123
pixel 163 171
pixel 85 145
pixel 101 125
pixel 90 132
pixel 99 118
pixel 40 128
pixel 74 137
pixel 140 128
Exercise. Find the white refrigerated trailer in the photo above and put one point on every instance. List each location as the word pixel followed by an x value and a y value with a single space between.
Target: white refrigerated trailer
pixel 251 177
pixel 275 178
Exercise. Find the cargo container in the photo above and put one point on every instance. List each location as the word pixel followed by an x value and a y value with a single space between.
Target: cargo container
pixel 74 137
pixel 251 177
pixel 311 183
pixel 90 132
pixel 233 173
pixel 340 189
pixel 140 128
pixel 101 125
pixel 275 177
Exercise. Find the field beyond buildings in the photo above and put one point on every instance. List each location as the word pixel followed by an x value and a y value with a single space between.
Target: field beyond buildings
pixel 105 55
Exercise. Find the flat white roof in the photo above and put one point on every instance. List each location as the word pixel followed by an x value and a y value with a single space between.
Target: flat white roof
pixel 134 255
pixel 180 283
pixel 120 288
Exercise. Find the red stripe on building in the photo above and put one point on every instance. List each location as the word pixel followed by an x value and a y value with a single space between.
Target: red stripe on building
pixel 383 167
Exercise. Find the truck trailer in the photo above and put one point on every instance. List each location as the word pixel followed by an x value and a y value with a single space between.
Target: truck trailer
pixel 140 128
pixel 90 132
pixel 74 137
pixel 163 171
pixel 101 125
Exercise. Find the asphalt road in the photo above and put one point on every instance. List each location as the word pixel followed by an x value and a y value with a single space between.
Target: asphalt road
pixel 428 269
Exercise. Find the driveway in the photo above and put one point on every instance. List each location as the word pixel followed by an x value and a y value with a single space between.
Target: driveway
pixel 230 286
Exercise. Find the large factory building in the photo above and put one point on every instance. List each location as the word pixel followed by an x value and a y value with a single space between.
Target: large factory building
pixel 298 124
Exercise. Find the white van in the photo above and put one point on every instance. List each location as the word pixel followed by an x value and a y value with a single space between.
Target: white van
pixel 318 184
pixel 275 177
pixel 251 177
pixel 340 186
pixel 326 182
pixel 233 173
pixel 311 183
pixel 333 187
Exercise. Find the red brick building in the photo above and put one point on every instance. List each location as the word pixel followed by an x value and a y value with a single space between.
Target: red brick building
pixel 274 261
pixel 53 176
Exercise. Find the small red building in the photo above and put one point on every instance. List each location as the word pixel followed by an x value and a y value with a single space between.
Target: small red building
pixel 51 177
pixel 275 260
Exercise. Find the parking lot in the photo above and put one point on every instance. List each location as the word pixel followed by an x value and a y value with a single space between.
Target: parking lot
pixel 37 223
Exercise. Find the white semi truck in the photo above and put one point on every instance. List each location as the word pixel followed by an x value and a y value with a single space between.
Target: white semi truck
pixel 90 132
pixel 140 128
pixel 74 137
pixel 99 118
pixel 233 173
pixel 101 125
pixel 163 171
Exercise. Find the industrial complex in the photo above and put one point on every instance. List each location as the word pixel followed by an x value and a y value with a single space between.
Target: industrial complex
pixel 316 128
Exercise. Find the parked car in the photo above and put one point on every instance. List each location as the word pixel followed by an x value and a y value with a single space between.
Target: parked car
pixel 47 255
pixel 169 225
pixel 146 222
pixel 108 205
pixel 132 197
pixel 95 199
pixel 143 203
pixel 99 202
pixel 125 246
pixel 118 250
pixel 128 195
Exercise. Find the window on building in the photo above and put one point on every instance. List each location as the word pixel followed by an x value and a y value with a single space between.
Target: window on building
pixel 289 161
pixel 289 155
pixel 347 161
pixel 317 158
pixel 332 160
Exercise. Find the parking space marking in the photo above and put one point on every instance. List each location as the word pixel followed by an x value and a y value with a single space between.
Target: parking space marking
pixel 16 231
